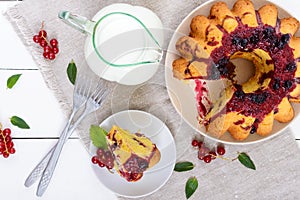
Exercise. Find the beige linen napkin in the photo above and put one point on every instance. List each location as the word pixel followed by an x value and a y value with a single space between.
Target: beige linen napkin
pixel 277 160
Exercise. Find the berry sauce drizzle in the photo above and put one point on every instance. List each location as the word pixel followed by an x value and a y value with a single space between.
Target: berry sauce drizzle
pixel 202 98
pixel 134 168
pixel 246 39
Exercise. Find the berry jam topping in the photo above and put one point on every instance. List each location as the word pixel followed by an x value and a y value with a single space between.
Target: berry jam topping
pixel 254 39
pixel 253 130
pixel 214 43
pixel 187 71
pixel 291 67
pixel 202 98
pixel 134 166
pixel 259 98
pixel 239 94
pixel 131 177
pixel 246 39
pixel 240 42
pixel 268 33
pixel 285 38
pixel 276 84
pixel 221 65
pixel 239 121
pixel 288 84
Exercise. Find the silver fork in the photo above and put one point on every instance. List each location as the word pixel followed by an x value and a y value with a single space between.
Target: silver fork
pixel 93 103
pixel 81 93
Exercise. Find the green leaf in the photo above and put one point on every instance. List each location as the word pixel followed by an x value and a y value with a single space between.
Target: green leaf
pixel 246 161
pixel 19 122
pixel 98 137
pixel 191 186
pixel 183 166
pixel 72 71
pixel 11 81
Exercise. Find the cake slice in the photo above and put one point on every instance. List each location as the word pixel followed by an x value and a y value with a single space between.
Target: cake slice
pixel 133 153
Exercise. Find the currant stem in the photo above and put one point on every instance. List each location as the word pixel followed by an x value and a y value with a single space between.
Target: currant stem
pixel 224 158
pixel 42 36
pixel 5 143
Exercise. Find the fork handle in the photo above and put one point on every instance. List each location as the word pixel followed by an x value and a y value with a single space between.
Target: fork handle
pixel 50 167
pixel 40 167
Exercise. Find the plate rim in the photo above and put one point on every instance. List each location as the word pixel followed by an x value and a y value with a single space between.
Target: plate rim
pixel 168 68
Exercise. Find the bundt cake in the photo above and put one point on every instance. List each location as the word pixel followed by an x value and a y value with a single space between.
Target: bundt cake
pixel 133 153
pixel 255 35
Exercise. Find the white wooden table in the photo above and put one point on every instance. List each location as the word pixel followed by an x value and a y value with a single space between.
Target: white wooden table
pixel 33 101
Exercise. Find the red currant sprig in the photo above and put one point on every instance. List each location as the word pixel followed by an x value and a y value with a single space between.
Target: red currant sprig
pixel 50 48
pixel 6 143
pixel 104 158
pixel 205 154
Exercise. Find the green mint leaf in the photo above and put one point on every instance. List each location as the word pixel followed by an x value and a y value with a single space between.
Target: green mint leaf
pixel 246 161
pixel 98 137
pixel 191 186
pixel 72 71
pixel 11 81
pixel 183 166
pixel 19 122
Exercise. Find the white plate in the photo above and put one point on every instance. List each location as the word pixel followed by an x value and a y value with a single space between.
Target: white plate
pixel 153 178
pixel 182 94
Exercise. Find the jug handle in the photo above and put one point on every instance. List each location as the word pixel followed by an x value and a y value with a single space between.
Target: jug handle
pixel 78 22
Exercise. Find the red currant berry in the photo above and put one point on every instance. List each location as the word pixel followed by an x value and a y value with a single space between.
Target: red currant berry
pixel 10 145
pixel 46 55
pixel 101 164
pixel 213 155
pixel 110 160
pixel 95 160
pixel 108 154
pixel 207 158
pixel 36 39
pixel 195 143
pixel 203 150
pixel 4 134
pixel 12 150
pixel 51 56
pixel 5 154
pixel 200 143
pixel 43 43
pixel 100 152
pixel 8 139
pixel 200 155
pixel 221 150
pixel 47 49
pixel 55 50
pixel 54 42
pixel 43 33
pixel 6 131
pixel 109 167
